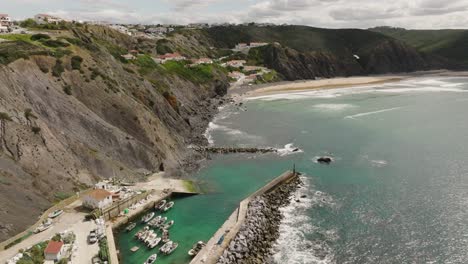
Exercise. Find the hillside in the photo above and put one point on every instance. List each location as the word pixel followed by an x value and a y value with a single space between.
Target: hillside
pixel 449 43
pixel 72 112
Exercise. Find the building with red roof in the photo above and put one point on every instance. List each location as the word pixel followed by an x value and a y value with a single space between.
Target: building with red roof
pixel 54 251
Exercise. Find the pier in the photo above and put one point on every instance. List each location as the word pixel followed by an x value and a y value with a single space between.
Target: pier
pixel 228 231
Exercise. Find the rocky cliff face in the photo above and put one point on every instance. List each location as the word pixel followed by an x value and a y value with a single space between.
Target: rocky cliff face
pixel 387 57
pixel 62 132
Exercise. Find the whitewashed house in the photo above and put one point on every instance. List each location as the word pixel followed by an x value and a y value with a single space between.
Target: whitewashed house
pixel 169 57
pixel 5 20
pixel 47 19
pixel 97 199
pixel 54 251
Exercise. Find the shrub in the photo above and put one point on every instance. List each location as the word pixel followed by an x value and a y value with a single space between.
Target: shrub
pixel 40 36
pixel 146 64
pixel 55 43
pixel 67 89
pixel 29 114
pixel 58 69
pixel 28 23
pixel 36 130
pixel 103 250
pixel 5 117
pixel 172 100
pixel 76 62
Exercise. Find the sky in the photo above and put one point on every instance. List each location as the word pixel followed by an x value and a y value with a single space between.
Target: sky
pixel 419 14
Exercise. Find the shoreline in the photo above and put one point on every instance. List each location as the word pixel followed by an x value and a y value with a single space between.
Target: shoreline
pixel 286 87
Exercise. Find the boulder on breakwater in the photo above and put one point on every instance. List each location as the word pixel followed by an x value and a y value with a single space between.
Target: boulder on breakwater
pixel 254 241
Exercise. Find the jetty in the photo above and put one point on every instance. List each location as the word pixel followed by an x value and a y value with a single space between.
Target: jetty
pixel 230 150
pixel 221 240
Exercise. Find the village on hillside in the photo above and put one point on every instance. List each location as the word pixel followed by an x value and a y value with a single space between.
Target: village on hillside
pixel 240 71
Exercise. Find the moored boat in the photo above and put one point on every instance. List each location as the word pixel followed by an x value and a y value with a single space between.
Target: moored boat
pixel 55 213
pixel 160 205
pixel 151 259
pixel 155 221
pixel 168 206
pixel 169 247
pixel 147 218
pixel 196 248
pixel 154 242
pixel 165 236
pixel 130 227
pixel 167 225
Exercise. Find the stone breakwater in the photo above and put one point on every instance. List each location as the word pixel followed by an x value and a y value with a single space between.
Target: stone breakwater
pixel 253 243
pixel 228 150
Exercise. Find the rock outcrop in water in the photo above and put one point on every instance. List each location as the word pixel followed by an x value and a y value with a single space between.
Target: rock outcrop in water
pixel 253 243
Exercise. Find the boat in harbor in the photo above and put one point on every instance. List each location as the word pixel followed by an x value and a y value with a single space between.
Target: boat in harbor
pixel 130 227
pixel 168 206
pixel 147 236
pixel 147 218
pixel 153 243
pixel 151 259
pixel 196 248
pixel 169 247
pixel 165 236
pixel 167 225
pixel 44 226
pixel 160 205
pixel 55 213
pixel 155 221
pixel 161 222
pixel 141 232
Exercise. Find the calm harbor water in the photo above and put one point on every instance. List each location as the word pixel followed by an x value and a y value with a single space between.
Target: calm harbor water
pixel 396 193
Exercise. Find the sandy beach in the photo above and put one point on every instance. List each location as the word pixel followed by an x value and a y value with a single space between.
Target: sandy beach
pixel 332 83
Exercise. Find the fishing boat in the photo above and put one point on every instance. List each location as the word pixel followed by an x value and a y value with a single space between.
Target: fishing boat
pixel 165 236
pixel 55 213
pixel 169 247
pixel 168 206
pixel 155 221
pixel 150 237
pixel 130 227
pixel 147 218
pixel 154 242
pixel 140 233
pixel 196 248
pixel 151 259
pixel 160 205
pixel 161 222
pixel 167 225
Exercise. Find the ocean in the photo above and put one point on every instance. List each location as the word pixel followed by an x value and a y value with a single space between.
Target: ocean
pixel 396 191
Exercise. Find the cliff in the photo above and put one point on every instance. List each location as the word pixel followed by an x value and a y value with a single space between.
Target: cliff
pixel 73 115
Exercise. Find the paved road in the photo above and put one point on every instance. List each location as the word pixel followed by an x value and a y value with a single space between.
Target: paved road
pixel 70 220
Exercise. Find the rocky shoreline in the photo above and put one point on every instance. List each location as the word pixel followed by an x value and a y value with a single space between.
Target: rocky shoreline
pixel 256 237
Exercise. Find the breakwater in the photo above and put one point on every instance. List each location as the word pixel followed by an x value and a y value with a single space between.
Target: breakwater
pixel 229 150
pixel 234 232
pixel 259 231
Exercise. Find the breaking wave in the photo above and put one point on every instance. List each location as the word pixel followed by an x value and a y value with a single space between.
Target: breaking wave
pixel 372 113
pixel 333 107
pixel 295 245
pixel 288 150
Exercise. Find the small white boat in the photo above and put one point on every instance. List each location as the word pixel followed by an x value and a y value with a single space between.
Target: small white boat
pixel 44 226
pixel 196 248
pixel 147 218
pixel 168 206
pixel 168 225
pixel 160 205
pixel 169 247
pixel 154 242
pixel 130 227
pixel 151 259
pixel 165 236
pixel 151 235
pixel 55 213
pixel 155 221
pixel 161 222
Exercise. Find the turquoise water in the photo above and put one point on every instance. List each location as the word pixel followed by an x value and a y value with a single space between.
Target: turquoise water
pixel 396 193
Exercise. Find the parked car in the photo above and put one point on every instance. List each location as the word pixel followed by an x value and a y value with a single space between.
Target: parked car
pixel 92 238
pixel 96 260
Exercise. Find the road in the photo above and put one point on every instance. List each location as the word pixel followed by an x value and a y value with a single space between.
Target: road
pixel 70 220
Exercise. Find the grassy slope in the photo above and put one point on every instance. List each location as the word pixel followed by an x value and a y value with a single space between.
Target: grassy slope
pixel 301 38
pixel 447 43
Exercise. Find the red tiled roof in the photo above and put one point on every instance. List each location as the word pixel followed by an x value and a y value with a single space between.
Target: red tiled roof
pixel 53 247
pixel 99 194
pixel 3 15
pixel 169 55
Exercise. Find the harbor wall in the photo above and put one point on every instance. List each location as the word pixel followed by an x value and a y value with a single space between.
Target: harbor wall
pixel 115 209
pixel 215 247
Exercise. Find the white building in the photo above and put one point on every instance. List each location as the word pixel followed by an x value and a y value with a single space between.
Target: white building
pixel 47 19
pixel 121 29
pixel 54 251
pixel 5 20
pixel 105 185
pixel 97 199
